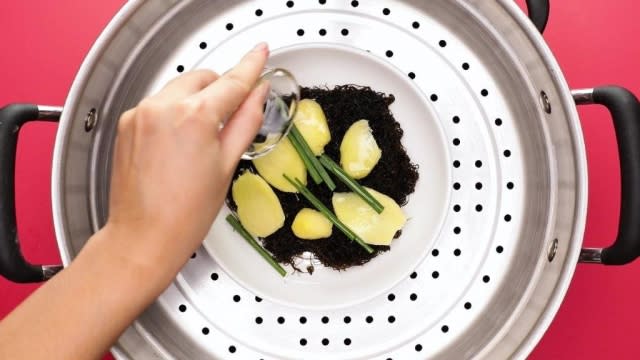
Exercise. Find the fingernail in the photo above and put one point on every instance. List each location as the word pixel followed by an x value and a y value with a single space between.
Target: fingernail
pixel 261 47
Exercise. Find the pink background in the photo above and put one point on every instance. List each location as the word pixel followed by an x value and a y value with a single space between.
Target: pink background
pixel 595 42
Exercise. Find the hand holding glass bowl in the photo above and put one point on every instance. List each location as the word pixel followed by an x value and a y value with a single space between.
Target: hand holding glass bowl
pixel 280 106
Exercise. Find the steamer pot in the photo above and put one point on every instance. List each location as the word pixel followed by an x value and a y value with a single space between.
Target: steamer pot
pixel 500 260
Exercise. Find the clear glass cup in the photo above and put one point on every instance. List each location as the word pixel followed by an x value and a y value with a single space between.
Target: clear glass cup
pixel 280 106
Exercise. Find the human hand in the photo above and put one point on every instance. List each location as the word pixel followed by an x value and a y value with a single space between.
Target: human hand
pixel 172 165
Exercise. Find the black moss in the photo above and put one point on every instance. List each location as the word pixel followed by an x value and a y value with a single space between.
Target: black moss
pixel 394 175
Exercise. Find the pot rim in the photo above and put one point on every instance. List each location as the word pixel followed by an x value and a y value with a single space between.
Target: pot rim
pixel 576 240
pixel 71 102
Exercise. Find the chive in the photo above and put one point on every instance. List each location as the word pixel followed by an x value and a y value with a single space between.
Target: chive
pixel 351 183
pixel 323 209
pixel 305 159
pixel 237 226
pixel 327 213
pixel 314 161
pixel 325 176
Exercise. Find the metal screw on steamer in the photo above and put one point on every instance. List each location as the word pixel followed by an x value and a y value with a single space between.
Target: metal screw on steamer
pixel 91 120
pixel 553 249
pixel 544 100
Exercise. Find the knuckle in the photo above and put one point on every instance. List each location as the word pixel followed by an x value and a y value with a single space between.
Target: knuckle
pixel 208 76
pixel 126 119
pixel 147 114
pixel 190 108
pixel 237 83
pixel 148 108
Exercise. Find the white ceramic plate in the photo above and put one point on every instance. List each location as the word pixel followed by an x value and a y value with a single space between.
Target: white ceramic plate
pixel 318 65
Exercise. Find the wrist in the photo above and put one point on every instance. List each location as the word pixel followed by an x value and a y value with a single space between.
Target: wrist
pixel 123 257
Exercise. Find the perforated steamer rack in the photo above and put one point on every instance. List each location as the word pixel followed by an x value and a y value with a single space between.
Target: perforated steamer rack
pixel 471 62
pixel 502 230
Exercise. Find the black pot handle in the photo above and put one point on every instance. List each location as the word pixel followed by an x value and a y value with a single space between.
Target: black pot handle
pixel 538 13
pixel 13 266
pixel 625 111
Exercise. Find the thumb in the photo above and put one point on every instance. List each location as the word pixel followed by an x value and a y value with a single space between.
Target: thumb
pixel 241 129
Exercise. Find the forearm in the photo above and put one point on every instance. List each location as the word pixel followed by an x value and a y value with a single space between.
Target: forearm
pixel 171 169
pixel 81 312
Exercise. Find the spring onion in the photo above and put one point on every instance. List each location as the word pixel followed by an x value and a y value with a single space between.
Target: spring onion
pixel 351 183
pixel 295 133
pixel 237 226
pixel 326 212
pixel 306 159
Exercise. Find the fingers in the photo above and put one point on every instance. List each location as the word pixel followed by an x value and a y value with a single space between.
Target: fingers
pixel 241 129
pixel 186 84
pixel 224 96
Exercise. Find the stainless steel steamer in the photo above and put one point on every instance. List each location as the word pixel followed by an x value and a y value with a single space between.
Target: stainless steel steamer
pixel 513 230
